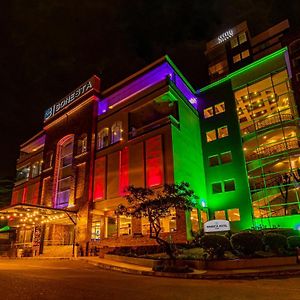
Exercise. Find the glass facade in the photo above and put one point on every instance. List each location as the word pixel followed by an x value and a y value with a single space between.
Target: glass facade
pixel 268 123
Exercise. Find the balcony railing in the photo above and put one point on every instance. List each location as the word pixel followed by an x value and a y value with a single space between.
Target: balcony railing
pixel 259 183
pixel 262 152
pixel 263 123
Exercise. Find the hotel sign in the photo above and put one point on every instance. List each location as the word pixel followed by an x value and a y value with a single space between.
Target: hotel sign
pixel 92 84
pixel 225 36
pixel 216 226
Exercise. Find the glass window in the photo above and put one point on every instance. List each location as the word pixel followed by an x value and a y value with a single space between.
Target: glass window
pixel 214 160
pixel 236 58
pixel 220 108
pixel 245 54
pixel 217 187
pixel 195 220
pixel 48 160
pixel 82 144
pixel 168 224
pixel 116 132
pixel 103 138
pixel 211 136
pixel 145 226
pixel 229 185
pixel 242 37
pixel 112 227
pixel 36 169
pixel 233 214
pixel 23 174
pixel 125 225
pixel 96 228
pixel 222 132
pixel 208 112
pixel 220 215
pixel 226 157
pixel 204 217
pixel 234 42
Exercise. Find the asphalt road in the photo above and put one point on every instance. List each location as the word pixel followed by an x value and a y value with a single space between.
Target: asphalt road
pixel 64 279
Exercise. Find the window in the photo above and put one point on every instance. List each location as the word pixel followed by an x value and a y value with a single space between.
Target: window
pixel 48 160
pixel 245 54
pixel 208 112
pixel 168 224
pixel 96 228
pixel 103 138
pixel 242 38
pixel 82 144
pixel 220 108
pixel 116 132
pixel 145 226
pixel 154 162
pixel 220 215
pixel 233 214
pixel 36 169
pixel 23 174
pixel 222 132
pixel 234 42
pixel 204 217
pixel 112 227
pixel 125 225
pixel 100 178
pixel 217 188
pixel 229 185
pixel 226 157
pixel 211 136
pixel 214 160
pixel 195 220
pixel 236 58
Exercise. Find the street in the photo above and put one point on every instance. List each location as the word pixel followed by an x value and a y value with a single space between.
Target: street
pixel 68 279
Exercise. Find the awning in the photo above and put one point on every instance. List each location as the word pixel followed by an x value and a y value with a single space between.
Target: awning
pixel 28 214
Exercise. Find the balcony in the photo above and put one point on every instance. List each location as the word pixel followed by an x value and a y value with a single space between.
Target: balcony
pixel 262 152
pixel 266 122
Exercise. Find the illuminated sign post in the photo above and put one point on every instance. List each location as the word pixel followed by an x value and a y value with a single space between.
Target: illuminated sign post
pixel 216 226
pixel 91 84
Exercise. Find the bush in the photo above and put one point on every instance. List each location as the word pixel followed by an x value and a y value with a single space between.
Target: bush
pixel 275 242
pixel 246 243
pixel 284 231
pixel 293 242
pixel 215 245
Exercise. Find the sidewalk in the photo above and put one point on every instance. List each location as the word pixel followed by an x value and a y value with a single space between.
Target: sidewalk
pixel 270 272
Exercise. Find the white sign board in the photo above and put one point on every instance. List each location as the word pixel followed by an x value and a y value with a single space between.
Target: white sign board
pixel 216 226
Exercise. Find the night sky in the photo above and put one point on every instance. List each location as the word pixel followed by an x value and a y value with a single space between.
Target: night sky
pixel 49 47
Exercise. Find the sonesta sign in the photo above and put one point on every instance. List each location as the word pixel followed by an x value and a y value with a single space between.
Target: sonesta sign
pixel 92 84
pixel 216 226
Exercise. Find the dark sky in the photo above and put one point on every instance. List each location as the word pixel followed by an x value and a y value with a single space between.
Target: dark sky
pixel 49 47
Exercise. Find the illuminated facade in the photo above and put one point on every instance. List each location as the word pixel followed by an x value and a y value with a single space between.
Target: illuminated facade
pixel 236 141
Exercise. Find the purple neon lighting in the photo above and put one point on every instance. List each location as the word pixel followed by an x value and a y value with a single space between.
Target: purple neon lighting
pixel 151 78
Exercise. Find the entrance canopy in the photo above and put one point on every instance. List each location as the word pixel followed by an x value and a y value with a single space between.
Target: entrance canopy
pixel 27 214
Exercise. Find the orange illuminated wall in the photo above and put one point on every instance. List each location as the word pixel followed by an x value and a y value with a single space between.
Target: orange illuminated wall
pixel 154 162
pixel 124 170
pixel 99 178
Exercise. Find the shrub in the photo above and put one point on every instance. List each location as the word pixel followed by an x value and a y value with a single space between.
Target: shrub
pixel 293 242
pixel 284 231
pixel 246 243
pixel 215 245
pixel 275 242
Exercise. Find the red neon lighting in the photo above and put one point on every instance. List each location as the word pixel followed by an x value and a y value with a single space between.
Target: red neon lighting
pixel 124 171
pixel 24 194
pixel 154 162
pixel 35 193
pixel 99 178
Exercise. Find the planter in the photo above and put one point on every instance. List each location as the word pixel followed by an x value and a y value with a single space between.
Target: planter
pixel 251 263
pixel 146 262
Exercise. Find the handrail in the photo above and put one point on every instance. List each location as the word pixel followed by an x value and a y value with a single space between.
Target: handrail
pixel 267 122
pixel 262 152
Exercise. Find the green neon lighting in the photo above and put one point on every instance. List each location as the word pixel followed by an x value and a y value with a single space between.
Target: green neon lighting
pixel 168 59
pixel 244 69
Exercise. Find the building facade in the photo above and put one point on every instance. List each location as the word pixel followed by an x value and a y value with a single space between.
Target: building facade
pixel 236 141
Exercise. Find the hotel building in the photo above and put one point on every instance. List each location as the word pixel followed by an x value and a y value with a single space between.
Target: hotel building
pixel 236 141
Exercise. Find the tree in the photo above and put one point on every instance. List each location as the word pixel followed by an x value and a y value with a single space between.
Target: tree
pixel 157 204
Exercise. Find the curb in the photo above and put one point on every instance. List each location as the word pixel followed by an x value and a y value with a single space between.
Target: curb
pixel 249 275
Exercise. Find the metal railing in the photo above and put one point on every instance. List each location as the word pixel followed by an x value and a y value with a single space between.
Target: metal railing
pixel 263 123
pixel 262 152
